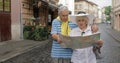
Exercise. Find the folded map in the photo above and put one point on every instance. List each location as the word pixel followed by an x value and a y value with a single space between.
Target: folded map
pixel 79 41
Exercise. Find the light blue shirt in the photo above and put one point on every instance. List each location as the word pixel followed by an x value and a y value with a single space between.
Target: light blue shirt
pixel 57 51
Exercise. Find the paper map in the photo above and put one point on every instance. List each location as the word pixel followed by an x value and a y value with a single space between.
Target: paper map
pixel 79 41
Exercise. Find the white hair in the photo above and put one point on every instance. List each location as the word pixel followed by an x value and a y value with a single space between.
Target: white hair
pixel 62 8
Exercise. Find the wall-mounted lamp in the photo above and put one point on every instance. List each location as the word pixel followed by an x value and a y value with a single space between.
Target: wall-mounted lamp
pixel 36 8
pixel 39 3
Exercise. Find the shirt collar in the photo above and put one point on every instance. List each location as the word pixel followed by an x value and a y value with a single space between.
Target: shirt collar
pixel 88 29
pixel 58 18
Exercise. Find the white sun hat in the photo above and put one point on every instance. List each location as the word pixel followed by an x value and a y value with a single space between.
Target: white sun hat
pixel 74 18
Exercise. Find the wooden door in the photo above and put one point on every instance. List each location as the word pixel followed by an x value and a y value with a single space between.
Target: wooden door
pixel 5 20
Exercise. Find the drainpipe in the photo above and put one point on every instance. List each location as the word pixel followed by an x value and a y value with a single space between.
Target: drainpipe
pixel 21 23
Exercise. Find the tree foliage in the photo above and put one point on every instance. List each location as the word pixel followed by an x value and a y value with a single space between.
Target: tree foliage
pixel 107 12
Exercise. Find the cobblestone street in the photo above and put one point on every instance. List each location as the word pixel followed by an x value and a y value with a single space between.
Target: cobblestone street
pixel 111 47
pixel 29 30
pixel 39 51
pixel 26 51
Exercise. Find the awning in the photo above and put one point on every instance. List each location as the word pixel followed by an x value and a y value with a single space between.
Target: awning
pixel 52 6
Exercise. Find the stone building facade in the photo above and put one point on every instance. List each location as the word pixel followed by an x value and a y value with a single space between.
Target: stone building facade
pixel 115 15
pixel 22 12
pixel 85 6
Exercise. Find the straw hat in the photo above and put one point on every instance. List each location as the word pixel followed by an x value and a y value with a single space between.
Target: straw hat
pixel 75 18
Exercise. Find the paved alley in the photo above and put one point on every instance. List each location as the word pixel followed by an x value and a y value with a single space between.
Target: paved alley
pixel 111 47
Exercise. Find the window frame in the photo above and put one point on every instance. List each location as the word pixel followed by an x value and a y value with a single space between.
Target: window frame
pixel 4 7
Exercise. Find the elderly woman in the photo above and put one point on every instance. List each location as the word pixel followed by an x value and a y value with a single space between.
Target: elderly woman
pixel 84 55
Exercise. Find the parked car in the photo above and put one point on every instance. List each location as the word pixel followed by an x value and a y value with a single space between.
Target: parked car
pixel 108 22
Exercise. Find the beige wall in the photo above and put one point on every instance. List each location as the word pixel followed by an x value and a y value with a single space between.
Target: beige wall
pixel 80 6
pixel 116 14
pixel 88 7
pixel 15 20
pixel 103 17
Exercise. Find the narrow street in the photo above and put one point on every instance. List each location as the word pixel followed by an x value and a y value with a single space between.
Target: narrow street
pixel 25 27
pixel 41 54
pixel 111 47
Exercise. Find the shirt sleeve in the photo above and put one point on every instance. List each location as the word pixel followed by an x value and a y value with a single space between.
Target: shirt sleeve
pixel 54 27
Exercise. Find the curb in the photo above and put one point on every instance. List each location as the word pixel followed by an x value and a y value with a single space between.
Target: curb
pixel 3 59
pixel 113 34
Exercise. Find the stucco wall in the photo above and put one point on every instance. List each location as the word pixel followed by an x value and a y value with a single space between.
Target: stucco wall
pixel 15 20
pixel 116 14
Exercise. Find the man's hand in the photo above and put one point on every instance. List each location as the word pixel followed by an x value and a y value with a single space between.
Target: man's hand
pixel 59 40
pixel 56 37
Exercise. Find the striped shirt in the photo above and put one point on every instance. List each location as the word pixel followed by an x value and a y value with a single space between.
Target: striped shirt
pixel 57 51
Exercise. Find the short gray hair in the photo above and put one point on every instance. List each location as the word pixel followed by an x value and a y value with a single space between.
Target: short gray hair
pixel 62 8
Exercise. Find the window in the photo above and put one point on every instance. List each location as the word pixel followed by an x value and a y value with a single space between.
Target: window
pixel 1 5
pixel 79 6
pixel 77 0
pixel 5 5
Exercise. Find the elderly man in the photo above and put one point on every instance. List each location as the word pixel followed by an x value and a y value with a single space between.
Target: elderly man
pixel 63 25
